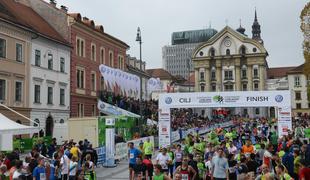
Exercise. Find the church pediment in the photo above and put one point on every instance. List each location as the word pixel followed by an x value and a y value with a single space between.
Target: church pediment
pixel 228 42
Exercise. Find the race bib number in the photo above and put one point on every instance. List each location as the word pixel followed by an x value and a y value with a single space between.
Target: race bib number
pixel 42 176
pixel 178 156
pixel 184 176
pixel 131 156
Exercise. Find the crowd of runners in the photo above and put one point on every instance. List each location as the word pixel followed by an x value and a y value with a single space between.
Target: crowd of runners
pixel 69 161
pixel 250 149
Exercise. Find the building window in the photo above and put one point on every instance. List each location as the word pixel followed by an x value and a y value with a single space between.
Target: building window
pixel 93 52
pixel 213 74
pixel 93 110
pixel 80 78
pixel 61 121
pixel 213 87
pixel 298 105
pixel 80 110
pixel 102 59
pixel 19 52
pixel 227 52
pixel 229 87
pixel 111 59
pixel 37 122
pixel 37 60
pixel 296 81
pixel 62 64
pixel 202 88
pixel 93 81
pixel 212 52
pixel 18 91
pixel 80 47
pixel 228 75
pixel 37 92
pixel 242 50
pixel 202 76
pixel 256 110
pixel 2 48
pixel 244 87
pixel 297 95
pixel 255 72
pixel 50 95
pixel 62 96
pixel 256 86
pixel 243 73
pixel 2 89
pixel 50 61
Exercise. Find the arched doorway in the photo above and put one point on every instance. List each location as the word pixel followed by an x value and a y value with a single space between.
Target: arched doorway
pixel 49 126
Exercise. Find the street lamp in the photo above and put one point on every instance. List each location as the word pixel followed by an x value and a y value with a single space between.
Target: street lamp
pixel 139 39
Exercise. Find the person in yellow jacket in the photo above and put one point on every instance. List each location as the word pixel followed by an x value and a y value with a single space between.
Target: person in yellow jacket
pixel 148 148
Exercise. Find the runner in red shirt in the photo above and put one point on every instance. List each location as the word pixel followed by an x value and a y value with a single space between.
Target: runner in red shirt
pixel 304 172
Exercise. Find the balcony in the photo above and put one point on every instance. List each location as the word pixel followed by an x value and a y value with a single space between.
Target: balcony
pixel 255 77
pixel 213 79
pixel 228 78
pixel 244 78
pixel 202 81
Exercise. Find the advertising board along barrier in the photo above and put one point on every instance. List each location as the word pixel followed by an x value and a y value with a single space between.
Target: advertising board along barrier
pixel 121 150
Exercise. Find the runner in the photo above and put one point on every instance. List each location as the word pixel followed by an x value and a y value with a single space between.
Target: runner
pixel 159 175
pixel 148 148
pixel 186 171
pixel 163 159
pixel 133 153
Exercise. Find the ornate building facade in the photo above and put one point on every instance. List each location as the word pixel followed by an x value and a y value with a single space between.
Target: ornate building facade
pixel 231 61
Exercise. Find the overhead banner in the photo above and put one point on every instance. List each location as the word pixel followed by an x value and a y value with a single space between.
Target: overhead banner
pixel 279 99
pixel 226 99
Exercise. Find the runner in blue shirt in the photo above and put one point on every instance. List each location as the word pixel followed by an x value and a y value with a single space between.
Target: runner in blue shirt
pixel 133 153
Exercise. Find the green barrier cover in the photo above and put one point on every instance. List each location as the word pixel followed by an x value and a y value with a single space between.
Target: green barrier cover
pixel 307 133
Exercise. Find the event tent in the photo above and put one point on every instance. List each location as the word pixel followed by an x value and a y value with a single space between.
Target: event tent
pixel 8 126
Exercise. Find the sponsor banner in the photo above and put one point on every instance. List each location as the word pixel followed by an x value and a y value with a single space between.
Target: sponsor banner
pixel 101 152
pixel 113 110
pixel 110 142
pixel 284 120
pixel 225 99
pixel 121 151
pixel 175 136
pixel 164 128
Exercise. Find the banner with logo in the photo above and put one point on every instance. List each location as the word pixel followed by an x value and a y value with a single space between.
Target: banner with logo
pixel 113 110
pixel 226 99
pixel 110 141
pixel 284 120
pixel 164 128
pixel 128 83
pixel 279 99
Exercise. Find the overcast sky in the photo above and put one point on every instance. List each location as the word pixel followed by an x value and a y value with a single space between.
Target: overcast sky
pixel 279 20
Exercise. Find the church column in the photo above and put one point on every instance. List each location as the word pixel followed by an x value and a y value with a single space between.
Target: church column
pixel 250 80
pixel 207 78
pixel 219 76
pixel 237 78
pixel 261 78
pixel 196 79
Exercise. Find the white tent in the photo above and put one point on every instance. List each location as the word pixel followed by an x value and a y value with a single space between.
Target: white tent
pixel 8 126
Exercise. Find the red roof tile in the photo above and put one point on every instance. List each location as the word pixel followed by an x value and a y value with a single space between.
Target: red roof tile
pixel 297 70
pixel 278 72
pixel 27 17
pixel 160 73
